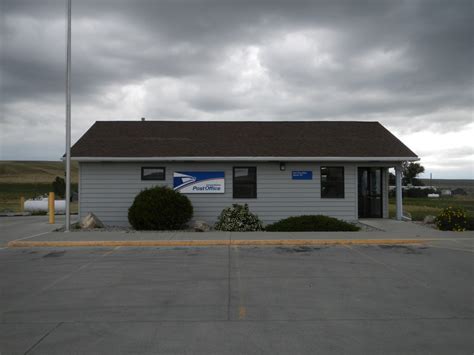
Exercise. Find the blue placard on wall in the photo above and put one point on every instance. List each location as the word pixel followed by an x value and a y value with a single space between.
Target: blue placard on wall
pixel 302 175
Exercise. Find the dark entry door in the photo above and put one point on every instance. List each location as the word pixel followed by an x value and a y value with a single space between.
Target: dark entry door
pixel 370 192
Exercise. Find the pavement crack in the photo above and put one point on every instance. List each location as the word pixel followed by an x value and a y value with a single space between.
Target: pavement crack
pixel 42 338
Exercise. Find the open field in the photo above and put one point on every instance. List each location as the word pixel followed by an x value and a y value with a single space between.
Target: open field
pixel 36 172
pixel 465 184
pixel 420 207
pixel 30 179
pixel 10 194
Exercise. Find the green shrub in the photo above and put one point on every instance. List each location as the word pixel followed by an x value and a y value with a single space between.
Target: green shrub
pixel 316 223
pixel 160 208
pixel 452 219
pixel 470 224
pixel 238 218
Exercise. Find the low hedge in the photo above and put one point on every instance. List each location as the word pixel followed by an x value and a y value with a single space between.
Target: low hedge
pixel 160 208
pixel 312 223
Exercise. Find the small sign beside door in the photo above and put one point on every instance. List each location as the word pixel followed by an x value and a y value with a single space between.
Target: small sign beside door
pixel 301 175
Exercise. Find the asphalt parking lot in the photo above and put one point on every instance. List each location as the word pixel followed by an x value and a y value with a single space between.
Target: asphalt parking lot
pixel 19 228
pixel 238 300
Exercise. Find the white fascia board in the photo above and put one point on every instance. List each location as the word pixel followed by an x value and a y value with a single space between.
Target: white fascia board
pixel 263 159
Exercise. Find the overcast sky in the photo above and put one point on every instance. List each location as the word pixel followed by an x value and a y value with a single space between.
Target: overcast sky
pixel 407 64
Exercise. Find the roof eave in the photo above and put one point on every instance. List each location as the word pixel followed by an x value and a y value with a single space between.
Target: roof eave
pixel 256 158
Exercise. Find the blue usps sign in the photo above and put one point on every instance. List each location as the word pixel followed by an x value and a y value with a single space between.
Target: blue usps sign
pixel 302 175
pixel 199 182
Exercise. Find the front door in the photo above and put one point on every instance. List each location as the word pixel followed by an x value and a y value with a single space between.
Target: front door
pixel 370 192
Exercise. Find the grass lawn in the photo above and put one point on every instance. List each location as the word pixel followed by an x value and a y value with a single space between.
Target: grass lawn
pixel 423 206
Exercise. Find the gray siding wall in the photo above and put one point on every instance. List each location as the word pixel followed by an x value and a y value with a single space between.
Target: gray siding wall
pixel 108 190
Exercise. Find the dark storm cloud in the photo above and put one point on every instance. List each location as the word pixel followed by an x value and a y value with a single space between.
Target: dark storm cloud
pixel 124 41
pixel 395 61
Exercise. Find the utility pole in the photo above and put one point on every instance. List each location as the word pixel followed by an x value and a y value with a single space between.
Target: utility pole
pixel 68 119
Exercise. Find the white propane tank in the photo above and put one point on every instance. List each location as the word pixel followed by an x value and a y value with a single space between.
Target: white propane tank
pixel 42 205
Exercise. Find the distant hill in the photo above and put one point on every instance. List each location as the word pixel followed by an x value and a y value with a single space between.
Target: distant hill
pixel 34 171
pixel 466 184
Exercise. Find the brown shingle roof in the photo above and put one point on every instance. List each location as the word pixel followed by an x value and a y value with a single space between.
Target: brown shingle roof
pixel 238 139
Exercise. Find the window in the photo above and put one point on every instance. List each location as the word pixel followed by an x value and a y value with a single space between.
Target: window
pixel 153 173
pixel 332 182
pixel 245 182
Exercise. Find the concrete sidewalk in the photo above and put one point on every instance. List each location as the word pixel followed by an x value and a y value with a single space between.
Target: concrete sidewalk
pixel 218 238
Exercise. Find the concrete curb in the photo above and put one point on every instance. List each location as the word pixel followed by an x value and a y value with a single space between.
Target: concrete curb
pixel 207 243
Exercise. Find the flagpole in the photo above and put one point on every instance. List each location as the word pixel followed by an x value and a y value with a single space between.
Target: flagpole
pixel 68 119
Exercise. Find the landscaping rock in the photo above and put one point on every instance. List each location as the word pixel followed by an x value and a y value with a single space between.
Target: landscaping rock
pixel 91 221
pixel 201 226
pixel 429 219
